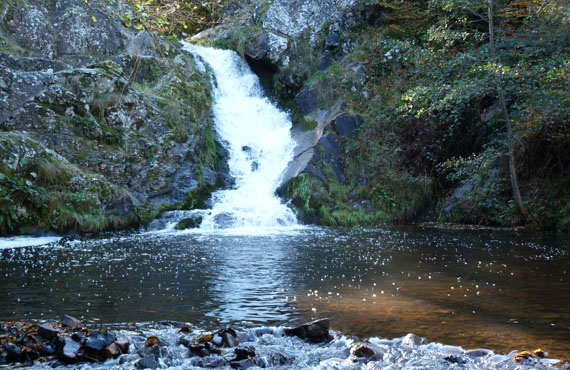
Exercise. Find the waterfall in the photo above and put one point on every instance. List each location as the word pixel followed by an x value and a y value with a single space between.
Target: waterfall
pixel 257 136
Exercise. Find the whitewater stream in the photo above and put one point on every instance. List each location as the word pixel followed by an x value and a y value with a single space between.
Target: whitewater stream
pixel 257 136
pixel 252 267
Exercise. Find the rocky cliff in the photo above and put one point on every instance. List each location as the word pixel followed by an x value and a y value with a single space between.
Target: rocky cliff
pixel 397 110
pixel 101 126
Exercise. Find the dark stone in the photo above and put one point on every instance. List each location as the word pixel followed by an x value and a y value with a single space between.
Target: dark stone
pixel 478 352
pixel 36 231
pixel 189 223
pixel 329 150
pixel 257 46
pixel 69 352
pixel 213 362
pixel 13 352
pixel 348 125
pixel 48 349
pixel 70 322
pixel 333 39
pixel 123 345
pixel 243 364
pixel 78 337
pixel 254 166
pixel 455 360
pixel 31 355
pixel 112 351
pixel 306 100
pixel 363 351
pixel 147 362
pixel 316 331
pixel 225 338
pixel 279 359
pixel 325 61
pixel 97 343
pixel 47 332
pixel 243 353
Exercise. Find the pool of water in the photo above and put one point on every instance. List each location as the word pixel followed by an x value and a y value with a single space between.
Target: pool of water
pixel 497 290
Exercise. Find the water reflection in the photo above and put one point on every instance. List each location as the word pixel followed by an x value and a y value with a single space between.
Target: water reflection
pixel 251 279
pixel 477 289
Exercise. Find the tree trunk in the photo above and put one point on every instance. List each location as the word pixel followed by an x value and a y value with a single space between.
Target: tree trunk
pixel 512 169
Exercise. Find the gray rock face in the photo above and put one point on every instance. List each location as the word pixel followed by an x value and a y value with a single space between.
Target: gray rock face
pixel 102 100
pixel 292 17
pixel 65 27
pixel 287 19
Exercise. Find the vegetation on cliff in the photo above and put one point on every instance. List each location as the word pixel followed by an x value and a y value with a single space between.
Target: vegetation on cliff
pixel 101 135
pixel 434 142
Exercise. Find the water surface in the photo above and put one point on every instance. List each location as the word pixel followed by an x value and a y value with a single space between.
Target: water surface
pixel 498 290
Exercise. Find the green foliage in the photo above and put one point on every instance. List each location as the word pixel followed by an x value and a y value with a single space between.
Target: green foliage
pixel 20 201
pixel 173 17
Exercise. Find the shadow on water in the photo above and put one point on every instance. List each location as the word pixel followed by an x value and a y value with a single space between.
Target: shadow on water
pixel 497 290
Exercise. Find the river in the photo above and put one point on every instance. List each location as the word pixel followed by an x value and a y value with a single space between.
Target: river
pixel 491 289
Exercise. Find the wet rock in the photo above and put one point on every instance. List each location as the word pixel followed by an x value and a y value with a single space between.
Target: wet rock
pixel 78 336
pixel 153 341
pixel 279 359
pixel 478 352
pixel 97 344
pixel 243 353
pixel 69 352
pixel 189 223
pixel 147 362
pixel 243 364
pixel 47 332
pixel 412 340
pixel 316 331
pixel 363 351
pixel 213 362
pixel 347 125
pixel 455 359
pixel 123 345
pixel 112 351
pixel 13 352
pixel 524 355
pixel 70 322
pixel 229 337
pixel 306 100
pixel 48 349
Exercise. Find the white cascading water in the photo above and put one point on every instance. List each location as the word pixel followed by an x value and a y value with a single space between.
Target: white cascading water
pixel 257 136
